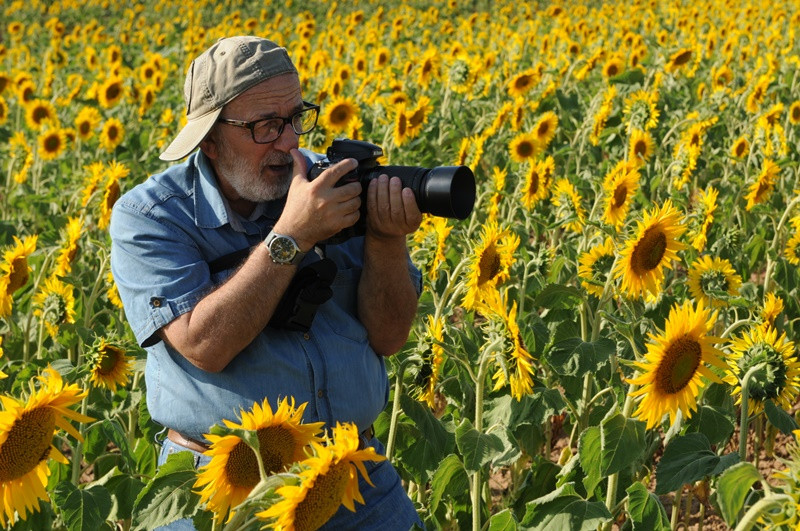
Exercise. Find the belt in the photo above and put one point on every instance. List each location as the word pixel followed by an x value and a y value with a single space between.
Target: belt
pixel 198 446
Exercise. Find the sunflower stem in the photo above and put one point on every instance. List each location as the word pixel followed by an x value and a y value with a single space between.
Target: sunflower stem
pixel 753 515
pixel 476 478
pixel 676 508
pixel 744 414
pixel 398 390
pixel 77 456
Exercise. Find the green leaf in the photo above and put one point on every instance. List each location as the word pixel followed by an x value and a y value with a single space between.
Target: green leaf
pixel 589 453
pixel 503 521
pixel 432 444
pixel 100 434
pixel 780 418
pixel 146 457
pixel 558 297
pixel 645 509
pixel 575 357
pixel 168 497
pixel 124 489
pixel 629 77
pixel 540 480
pixel 622 442
pixel 450 478
pixel 82 508
pixel 687 459
pixel 713 423
pixel 564 509
pixel 733 487
pixel 477 448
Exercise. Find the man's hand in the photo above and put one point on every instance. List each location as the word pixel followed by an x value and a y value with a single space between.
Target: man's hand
pixel 392 210
pixel 316 210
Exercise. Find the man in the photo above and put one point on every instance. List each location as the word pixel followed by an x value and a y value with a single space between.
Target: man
pixel 210 349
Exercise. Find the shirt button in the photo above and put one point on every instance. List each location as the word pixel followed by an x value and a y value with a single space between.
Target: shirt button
pixel 321 393
pixel 306 336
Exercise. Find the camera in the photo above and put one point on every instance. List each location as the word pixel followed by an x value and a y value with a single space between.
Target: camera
pixel 445 191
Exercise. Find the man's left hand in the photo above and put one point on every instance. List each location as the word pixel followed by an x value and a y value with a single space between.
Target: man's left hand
pixel 392 210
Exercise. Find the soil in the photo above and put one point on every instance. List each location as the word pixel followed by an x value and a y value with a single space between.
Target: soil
pixel 698 518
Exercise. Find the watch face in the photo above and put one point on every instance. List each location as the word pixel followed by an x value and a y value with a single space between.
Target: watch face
pixel 282 249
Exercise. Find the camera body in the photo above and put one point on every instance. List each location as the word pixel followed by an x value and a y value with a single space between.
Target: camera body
pixel 446 191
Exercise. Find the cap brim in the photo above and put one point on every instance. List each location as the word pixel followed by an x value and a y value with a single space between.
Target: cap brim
pixel 190 136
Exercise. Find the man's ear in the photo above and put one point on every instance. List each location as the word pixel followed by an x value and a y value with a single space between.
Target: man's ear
pixel 209 145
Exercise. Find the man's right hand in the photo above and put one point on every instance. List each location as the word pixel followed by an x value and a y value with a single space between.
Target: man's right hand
pixel 316 210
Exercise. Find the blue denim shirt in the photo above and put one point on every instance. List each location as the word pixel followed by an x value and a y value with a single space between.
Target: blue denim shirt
pixel 164 233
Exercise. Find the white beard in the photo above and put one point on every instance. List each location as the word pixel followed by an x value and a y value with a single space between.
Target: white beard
pixel 246 178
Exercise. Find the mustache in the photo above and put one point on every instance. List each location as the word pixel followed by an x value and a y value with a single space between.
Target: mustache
pixel 277 159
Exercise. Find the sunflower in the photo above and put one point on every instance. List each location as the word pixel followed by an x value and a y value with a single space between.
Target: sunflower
pixel 655 246
pixel 640 111
pixel 515 364
pixel 417 116
pixel 524 147
pixel 38 112
pixel 545 129
pixel 708 204
pixel 594 267
pixel 567 201
pixel 490 264
pixel 110 92
pixel 763 185
pixel 111 192
pixel 521 83
pixel 675 364
pixel 26 436
pixel 67 253
pixel 109 365
pixel 641 146
pixel 794 113
pixel 499 179
pixel 86 122
pixel 713 280
pixel 52 143
pixel 15 263
pixel 329 480
pixel 339 114
pixel 432 360
pixel 400 126
pixel 613 66
pixel 112 134
pixel 778 380
pixel 740 148
pixel 620 186
pixel 678 59
pixel 602 114
pixel 233 470
pixel 537 182
pixel 112 292
pixel 55 305
pixel 773 305
pixel 3 111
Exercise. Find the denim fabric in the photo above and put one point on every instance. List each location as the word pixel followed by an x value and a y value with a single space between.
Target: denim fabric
pixel 164 233
pixel 387 506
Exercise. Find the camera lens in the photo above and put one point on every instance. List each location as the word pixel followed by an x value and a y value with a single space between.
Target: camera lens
pixel 446 191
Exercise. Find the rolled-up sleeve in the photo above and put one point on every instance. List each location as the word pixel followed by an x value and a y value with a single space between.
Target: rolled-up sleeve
pixel 158 269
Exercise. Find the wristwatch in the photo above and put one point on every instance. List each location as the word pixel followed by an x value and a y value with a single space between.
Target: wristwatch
pixel 283 249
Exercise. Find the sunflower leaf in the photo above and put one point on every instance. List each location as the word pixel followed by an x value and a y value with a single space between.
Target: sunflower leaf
pixel 503 521
pixel 622 442
pixel 646 510
pixel 733 487
pixel 687 459
pixel 589 455
pixel 564 509
pixel 575 357
pixel 477 448
pixel 168 497
pixel 779 418
pixel 82 508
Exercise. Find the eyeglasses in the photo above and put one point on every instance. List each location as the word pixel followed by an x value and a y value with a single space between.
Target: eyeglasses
pixel 270 129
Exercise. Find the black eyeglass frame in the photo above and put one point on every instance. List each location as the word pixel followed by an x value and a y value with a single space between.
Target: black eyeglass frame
pixel 252 125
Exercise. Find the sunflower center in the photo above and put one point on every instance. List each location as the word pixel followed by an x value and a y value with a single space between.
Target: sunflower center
pixel 19 274
pixel 112 133
pixel 28 443
pixel 108 360
pixel 523 82
pixel 277 448
pixel 770 380
pixel 488 265
pixel 525 149
pixel 323 498
pixel 543 130
pixel 678 365
pixel 52 143
pixel 112 92
pixel 533 188
pixel 682 58
pixel 612 70
pixel 402 124
pixel 84 127
pixel 649 250
pixel 620 194
pixel 740 147
pixel 39 114
pixel 640 148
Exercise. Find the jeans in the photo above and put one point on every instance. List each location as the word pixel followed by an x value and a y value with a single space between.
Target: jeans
pixel 387 506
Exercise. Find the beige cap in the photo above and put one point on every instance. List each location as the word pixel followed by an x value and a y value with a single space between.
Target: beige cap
pixel 227 69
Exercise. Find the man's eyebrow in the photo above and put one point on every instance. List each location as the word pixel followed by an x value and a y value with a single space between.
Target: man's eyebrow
pixel 268 115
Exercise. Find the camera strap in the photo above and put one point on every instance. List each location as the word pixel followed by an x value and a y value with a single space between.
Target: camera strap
pixel 308 290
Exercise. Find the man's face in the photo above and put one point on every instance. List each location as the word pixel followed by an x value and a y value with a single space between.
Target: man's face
pixel 257 172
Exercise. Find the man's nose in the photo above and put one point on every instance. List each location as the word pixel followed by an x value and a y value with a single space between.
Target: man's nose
pixel 287 140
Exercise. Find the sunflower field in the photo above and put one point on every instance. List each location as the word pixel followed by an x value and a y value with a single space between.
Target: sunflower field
pixel 610 340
